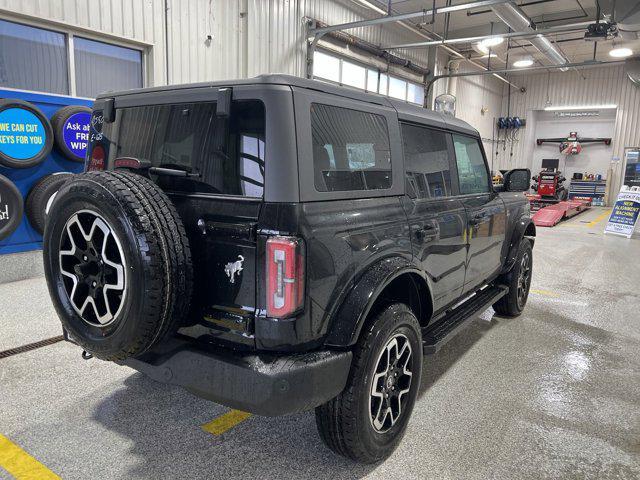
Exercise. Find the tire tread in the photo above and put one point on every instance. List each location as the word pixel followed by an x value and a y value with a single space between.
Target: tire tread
pixel 337 420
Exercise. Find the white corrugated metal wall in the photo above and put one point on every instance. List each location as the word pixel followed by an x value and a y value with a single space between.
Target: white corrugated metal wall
pixel 249 37
pixel 593 86
pixel 479 102
pixel 276 32
pixel 137 23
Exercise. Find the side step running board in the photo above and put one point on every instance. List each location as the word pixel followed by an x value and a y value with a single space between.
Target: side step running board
pixel 444 329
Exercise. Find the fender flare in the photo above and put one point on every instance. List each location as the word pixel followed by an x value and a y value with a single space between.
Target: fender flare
pixel 349 318
pixel 519 232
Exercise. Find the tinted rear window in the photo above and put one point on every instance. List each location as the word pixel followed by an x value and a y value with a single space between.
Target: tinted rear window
pixel 350 149
pixel 223 155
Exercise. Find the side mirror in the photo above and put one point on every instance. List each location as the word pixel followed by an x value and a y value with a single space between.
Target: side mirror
pixel 517 180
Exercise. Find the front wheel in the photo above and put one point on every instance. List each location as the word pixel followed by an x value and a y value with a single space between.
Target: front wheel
pixel 518 279
pixel 368 419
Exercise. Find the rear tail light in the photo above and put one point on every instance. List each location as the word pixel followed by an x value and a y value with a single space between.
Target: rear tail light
pixel 126 162
pixel 96 161
pixel 285 276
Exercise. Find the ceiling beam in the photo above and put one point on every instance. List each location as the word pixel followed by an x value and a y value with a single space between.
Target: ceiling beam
pixel 405 16
pixel 590 63
pixel 575 27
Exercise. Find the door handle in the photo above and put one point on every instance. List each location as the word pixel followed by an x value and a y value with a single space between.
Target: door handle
pixel 476 219
pixel 425 230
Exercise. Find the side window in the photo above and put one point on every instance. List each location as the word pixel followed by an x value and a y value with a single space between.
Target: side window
pixel 426 162
pixel 251 166
pixel 350 149
pixel 472 171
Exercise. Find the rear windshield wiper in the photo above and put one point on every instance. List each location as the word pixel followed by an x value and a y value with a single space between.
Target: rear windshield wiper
pixel 171 172
pixel 167 169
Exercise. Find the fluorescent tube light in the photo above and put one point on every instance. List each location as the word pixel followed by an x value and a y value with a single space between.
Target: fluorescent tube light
pixel 621 52
pixel 525 62
pixel 581 107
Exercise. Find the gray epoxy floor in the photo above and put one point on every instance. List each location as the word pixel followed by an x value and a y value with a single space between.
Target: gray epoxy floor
pixel 552 394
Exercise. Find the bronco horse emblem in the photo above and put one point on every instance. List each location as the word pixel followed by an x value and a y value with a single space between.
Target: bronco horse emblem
pixel 232 268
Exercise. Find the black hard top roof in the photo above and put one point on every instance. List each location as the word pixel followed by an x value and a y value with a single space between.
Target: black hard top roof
pixel 406 111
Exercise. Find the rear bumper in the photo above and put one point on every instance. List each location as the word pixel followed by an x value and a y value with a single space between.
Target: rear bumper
pixel 266 385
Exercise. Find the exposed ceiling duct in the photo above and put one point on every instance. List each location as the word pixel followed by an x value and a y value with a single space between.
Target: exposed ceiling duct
pixel 632 68
pixel 626 13
pixel 347 39
pixel 515 18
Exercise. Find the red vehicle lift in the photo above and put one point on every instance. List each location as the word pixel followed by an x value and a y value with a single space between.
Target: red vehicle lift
pixel 551 215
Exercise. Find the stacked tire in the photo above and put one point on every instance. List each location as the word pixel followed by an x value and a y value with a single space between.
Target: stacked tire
pixel 117 263
pixel 41 197
pixel 71 113
pixel 11 207
pixel 32 159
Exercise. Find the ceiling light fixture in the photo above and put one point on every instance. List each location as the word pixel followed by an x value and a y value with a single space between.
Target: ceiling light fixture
pixel 525 62
pixel 370 5
pixel 581 107
pixel 620 52
pixel 487 43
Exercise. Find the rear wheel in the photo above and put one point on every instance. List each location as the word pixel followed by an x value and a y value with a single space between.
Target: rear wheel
pixel 518 279
pixel 368 419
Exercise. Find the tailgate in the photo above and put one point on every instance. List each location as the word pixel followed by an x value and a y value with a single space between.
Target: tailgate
pixel 222 234
pixel 207 153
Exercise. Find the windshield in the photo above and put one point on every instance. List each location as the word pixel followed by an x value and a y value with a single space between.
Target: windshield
pixel 221 154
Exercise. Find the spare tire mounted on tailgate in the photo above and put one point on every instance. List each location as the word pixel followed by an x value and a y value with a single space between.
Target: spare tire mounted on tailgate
pixel 117 262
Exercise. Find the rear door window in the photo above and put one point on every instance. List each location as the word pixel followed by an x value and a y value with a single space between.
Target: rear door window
pixel 426 162
pixel 221 155
pixel 472 170
pixel 350 149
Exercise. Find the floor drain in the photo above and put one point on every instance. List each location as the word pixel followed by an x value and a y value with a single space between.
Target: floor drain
pixel 31 346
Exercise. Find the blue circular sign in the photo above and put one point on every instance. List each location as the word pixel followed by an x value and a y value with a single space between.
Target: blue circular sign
pixel 76 133
pixel 22 134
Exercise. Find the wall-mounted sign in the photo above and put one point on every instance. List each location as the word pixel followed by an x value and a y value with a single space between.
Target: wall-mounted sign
pixel 25 134
pixel 625 213
pixel 576 114
pixel 71 131
pixel 22 134
pixel 76 133
pixel 11 207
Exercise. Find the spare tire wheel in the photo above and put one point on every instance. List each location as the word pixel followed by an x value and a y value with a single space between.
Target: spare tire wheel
pixel 11 207
pixel 117 262
pixel 41 197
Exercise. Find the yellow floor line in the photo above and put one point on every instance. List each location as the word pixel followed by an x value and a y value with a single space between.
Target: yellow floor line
pixel 225 422
pixel 545 292
pixel 599 218
pixel 20 464
pixel 567 224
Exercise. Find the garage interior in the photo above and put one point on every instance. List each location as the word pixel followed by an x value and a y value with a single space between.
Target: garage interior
pixel 554 393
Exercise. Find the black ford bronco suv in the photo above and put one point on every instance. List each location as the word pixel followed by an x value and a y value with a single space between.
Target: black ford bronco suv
pixel 278 244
